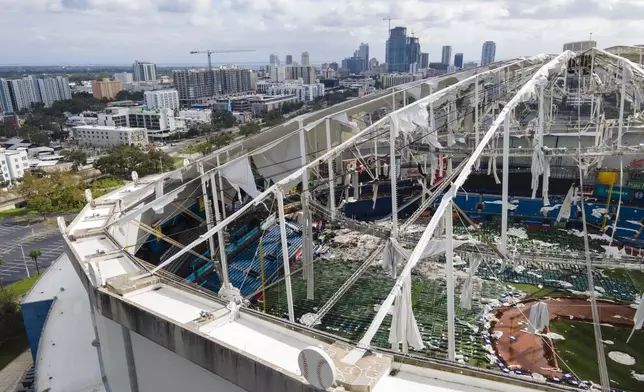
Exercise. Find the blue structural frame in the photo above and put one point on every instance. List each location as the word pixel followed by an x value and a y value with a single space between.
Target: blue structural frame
pixel 34 315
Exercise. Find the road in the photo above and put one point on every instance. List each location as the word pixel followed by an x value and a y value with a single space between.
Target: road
pixel 45 237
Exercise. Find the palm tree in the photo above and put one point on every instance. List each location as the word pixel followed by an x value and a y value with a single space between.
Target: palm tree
pixel 35 254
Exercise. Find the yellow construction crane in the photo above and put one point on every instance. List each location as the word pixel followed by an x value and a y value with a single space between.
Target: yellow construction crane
pixel 210 51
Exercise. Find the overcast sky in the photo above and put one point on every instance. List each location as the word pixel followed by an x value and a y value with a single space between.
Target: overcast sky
pixel 164 31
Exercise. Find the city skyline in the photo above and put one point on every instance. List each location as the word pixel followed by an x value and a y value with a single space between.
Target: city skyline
pixel 174 27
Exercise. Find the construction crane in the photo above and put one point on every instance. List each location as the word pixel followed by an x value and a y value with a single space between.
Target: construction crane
pixel 209 52
pixel 415 32
pixel 389 18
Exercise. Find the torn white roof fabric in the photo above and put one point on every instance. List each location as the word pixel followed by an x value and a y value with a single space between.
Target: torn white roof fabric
pixel 239 174
pixel 539 317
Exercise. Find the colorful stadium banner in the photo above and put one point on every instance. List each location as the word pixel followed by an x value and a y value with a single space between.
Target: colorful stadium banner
pixel 601 190
pixel 635 185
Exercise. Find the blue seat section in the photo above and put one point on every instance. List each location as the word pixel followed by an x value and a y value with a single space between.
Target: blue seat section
pixel 232 247
pixel 467 202
pixel 244 271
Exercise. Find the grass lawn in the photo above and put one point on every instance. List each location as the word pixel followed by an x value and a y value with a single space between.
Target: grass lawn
pixel 178 162
pixel 15 212
pixel 532 290
pixel 578 352
pixel 21 287
pixel 633 275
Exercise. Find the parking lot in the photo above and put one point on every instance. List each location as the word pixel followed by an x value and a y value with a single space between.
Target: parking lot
pixel 41 236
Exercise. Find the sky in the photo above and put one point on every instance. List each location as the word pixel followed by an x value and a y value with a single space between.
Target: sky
pixel 66 32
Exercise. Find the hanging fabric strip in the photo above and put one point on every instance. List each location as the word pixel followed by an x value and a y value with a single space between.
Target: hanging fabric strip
pixel 546 180
pixel 539 317
pixel 466 294
pixel 566 207
pixel 403 324
pixel 537 166
pixel 239 174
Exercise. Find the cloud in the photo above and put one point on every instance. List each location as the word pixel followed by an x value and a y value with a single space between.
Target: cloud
pixel 164 31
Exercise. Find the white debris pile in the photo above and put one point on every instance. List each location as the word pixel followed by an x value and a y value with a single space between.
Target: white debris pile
pixel 554 336
pixel 513 205
pixel 621 358
pixel 353 246
pixel 598 212
pixel 518 232
pixel 575 232
pixel 637 376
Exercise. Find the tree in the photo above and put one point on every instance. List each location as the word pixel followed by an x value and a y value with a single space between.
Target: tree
pixel 222 118
pixel 77 158
pixel 35 254
pixel 122 160
pixel 53 192
pixel 204 148
pixel 221 139
pixel 250 128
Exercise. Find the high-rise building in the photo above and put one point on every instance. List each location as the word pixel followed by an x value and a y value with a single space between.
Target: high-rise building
pixel 275 59
pixel 234 80
pixel 305 59
pixel 6 104
pixel 373 63
pixel 124 77
pixel 277 73
pixel 488 52
pixel 289 59
pixel 162 99
pixel 63 88
pixel 49 91
pixel 396 50
pixel 354 64
pixel 144 72
pixel 196 86
pixel 106 88
pixel 458 60
pixel 424 60
pixel 334 66
pixel 363 53
pixel 17 94
pixel 413 54
pixel 446 57
pixel 306 73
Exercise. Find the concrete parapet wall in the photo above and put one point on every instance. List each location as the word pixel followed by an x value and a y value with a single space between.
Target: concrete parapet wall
pixel 229 363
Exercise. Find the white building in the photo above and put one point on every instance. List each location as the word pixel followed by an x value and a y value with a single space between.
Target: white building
pixel 124 77
pixel 110 136
pixel 13 165
pixel 277 73
pixel 304 92
pixel 144 71
pixel 162 99
pixel 160 123
pixel 196 116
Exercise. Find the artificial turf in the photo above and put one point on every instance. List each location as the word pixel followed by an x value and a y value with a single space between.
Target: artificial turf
pixel 577 353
